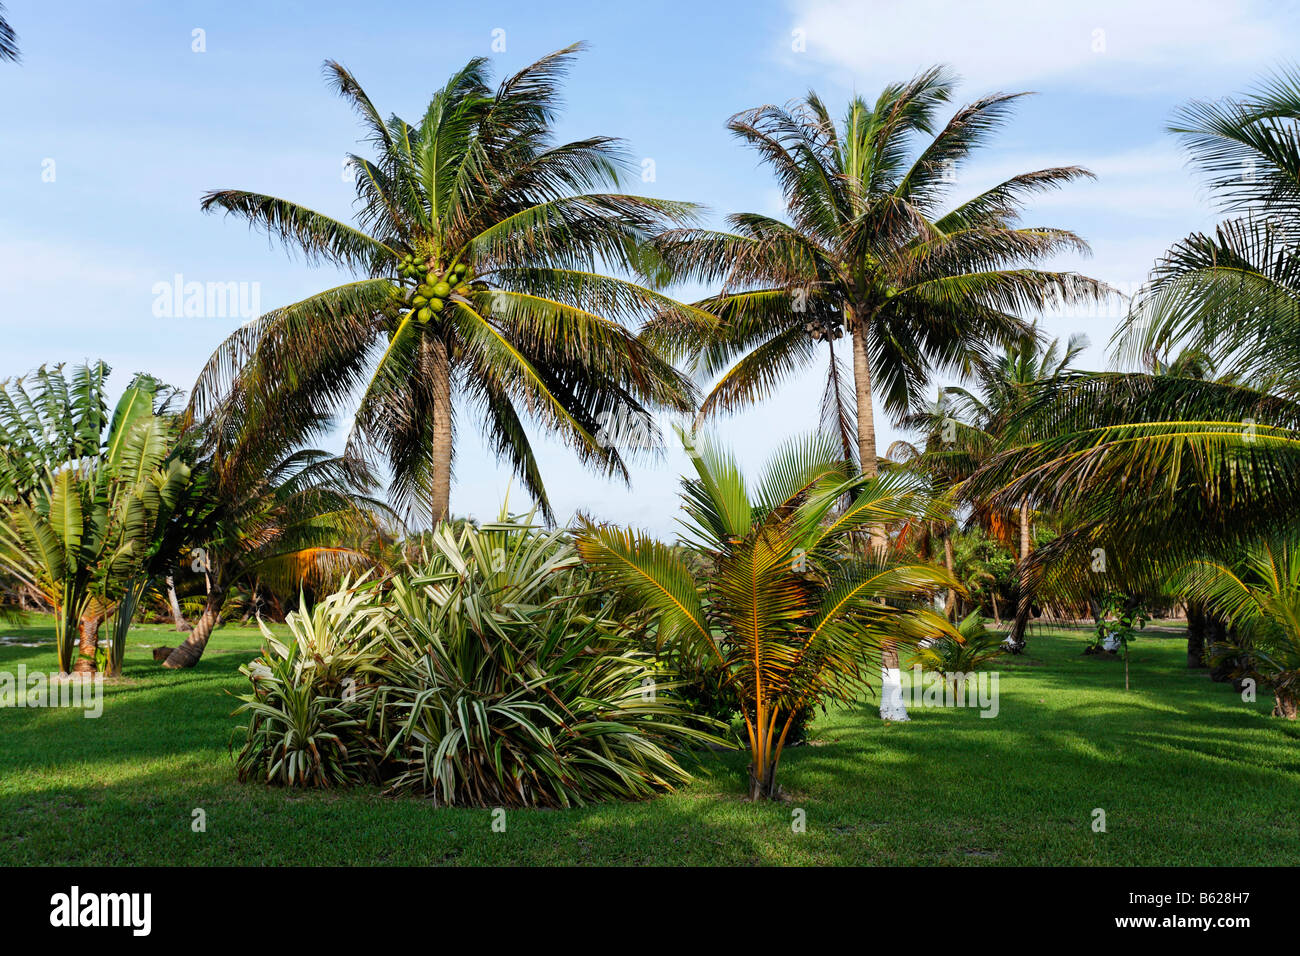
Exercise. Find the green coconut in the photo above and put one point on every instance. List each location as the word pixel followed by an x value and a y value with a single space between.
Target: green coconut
pixel 424 315
pixel 420 300
pixel 442 289
pixel 436 304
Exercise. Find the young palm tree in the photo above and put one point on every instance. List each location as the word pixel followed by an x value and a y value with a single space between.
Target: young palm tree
pixel 870 252
pixel 481 244
pixel 1260 597
pixel 779 602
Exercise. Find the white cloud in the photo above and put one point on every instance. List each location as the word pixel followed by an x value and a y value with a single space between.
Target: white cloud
pixel 999 44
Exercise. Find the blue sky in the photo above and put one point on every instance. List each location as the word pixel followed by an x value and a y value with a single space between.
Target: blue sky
pixel 135 125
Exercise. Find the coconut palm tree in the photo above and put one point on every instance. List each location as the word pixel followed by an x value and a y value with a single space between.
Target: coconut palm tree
pixel 480 243
pixel 870 252
pixel 1159 466
pixel 779 602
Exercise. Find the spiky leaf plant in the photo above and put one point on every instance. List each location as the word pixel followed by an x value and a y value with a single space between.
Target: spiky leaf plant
pixel 489 674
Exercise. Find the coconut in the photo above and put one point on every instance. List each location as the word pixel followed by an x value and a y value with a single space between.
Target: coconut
pixel 436 304
pixel 442 289
pixel 419 300
pixel 424 315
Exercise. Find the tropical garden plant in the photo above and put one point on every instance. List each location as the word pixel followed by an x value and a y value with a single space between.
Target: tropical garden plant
pixel 782 602
pixel 84 499
pixel 490 673
pixel 269 509
pixel 872 251
pixel 1154 467
pixel 1259 594
pixel 8 39
pixel 959 655
pixel 486 254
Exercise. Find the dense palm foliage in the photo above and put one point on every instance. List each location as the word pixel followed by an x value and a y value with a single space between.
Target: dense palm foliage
pixel 8 39
pixel 968 425
pixel 269 509
pixel 870 251
pixel 780 601
pixel 481 245
pixel 489 674
pixel 1157 468
pixel 1259 595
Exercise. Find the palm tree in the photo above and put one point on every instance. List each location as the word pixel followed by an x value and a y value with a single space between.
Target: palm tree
pixel 269 509
pixel 870 253
pixel 8 39
pixel 778 602
pixel 480 244
pixel 1160 466
pixel 1260 597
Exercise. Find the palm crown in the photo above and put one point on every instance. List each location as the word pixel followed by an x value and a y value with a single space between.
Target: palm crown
pixel 481 242
pixel 869 251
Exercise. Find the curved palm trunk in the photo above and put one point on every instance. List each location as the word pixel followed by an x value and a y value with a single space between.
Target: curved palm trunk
pixel 178 618
pixel 191 649
pixel 440 369
pixel 88 646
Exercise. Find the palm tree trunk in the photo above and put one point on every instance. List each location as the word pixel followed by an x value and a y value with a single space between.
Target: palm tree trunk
pixel 1024 531
pixel 891 687
pixel 191 649
pixel 950 600
pixel 866 411
pixel 442 431
pixel 1285 705
pixel 178 618
pixel 1025 600
pixel 89 645
pixel 1195 635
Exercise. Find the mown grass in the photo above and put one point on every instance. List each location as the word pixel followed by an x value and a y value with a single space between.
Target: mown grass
pixel 1186 772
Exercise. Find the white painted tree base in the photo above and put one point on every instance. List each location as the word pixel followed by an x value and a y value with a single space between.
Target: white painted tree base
pixel 892 706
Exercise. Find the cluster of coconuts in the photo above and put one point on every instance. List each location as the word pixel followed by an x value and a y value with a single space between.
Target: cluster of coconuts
pixel 434 285
pixel 829 329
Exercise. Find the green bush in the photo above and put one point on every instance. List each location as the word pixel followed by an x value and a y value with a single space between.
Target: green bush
pixel 488 674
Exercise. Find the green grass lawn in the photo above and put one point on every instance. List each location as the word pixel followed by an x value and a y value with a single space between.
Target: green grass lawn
pixel 1185 771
